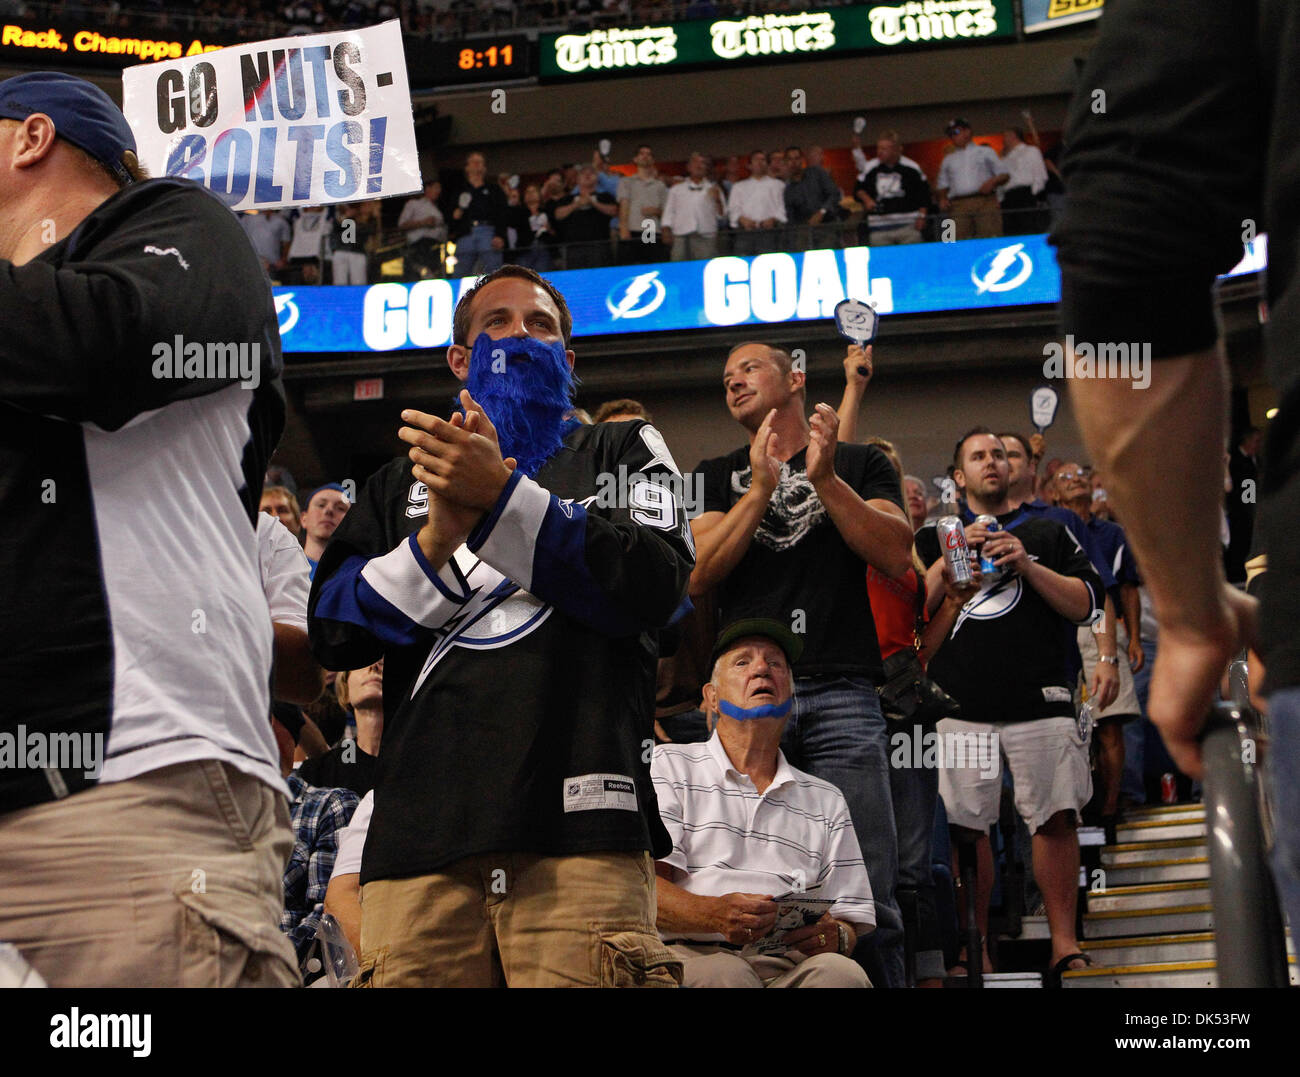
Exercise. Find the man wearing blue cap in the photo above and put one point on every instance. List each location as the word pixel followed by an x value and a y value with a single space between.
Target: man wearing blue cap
pixel 143 818
pixel 323 512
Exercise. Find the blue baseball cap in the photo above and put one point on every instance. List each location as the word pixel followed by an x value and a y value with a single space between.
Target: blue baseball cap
pixel 326 486
pixel 83 114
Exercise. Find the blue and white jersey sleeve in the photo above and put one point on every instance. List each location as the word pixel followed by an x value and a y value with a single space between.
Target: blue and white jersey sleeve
pixel 619 561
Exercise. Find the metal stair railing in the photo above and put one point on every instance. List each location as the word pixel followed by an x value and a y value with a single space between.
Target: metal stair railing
pixel 1250 940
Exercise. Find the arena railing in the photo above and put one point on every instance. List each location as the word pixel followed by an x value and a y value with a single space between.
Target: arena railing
pixel 1249 936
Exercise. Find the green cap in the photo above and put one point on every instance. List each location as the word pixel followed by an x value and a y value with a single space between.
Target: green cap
pixel 791 644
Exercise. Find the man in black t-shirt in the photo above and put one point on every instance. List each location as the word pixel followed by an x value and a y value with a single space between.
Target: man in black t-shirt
pixel 353 762
pixel 478 221
pixel 895 193
pixel 582 220
pixel 1004 660
pixel 788 527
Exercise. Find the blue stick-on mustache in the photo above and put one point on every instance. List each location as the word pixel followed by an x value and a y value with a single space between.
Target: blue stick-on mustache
pixel 766 710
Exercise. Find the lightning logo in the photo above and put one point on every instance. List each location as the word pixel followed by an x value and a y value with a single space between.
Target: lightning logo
pixel 285 303
pixel 990 273
pixel 631 291
pixel 495 613
pixel 988 605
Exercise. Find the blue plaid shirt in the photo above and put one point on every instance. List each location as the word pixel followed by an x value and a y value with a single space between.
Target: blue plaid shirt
pixel 317 817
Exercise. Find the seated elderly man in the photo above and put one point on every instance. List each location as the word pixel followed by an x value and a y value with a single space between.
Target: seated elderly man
pixel 753 837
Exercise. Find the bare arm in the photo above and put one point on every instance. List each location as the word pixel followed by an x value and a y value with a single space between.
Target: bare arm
pixel 299 678
pixel 343 902
pixel 739 918
pixel 1104 686
pixel 1131 601
pixel 855 388
pixel 876 530
pixel 935 633
pixel 721 539
pixel 1067 595
pixel 680 911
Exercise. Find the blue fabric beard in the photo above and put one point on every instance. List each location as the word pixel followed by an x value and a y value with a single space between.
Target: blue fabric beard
pixel 526 397
pixel 767 710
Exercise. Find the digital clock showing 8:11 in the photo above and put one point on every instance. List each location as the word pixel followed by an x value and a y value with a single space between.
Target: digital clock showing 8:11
pixel 493 56
pixel 452 63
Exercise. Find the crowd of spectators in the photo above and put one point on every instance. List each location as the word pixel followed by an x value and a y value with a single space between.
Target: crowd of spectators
pixel 586 215
pixel 862 572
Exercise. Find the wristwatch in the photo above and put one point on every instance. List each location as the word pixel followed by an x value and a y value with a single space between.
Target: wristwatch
pixel 1111 658
pixel 844 940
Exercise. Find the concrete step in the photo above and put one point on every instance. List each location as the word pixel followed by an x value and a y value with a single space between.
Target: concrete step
pixel 1143 852
pixel 1151 949
pixel 1158 829
pixel 1000 980
pixel 1165 974
pixel 1170 896
pixel 1167 812
pixel 1032 928
pixel 1157 871
pixel 1156 949
pixel 1137 922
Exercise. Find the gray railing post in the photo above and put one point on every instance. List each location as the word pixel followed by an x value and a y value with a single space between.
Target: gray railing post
pixel 1249 941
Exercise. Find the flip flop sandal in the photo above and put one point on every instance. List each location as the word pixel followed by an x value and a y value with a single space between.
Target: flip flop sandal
pixel 1053 977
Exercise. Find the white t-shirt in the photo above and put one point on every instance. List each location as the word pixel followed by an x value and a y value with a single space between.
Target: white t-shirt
pixel 352 839
pixel 286 574
pixel 310 229
pixel 1025 166
pixel 758 199
pixel 691 210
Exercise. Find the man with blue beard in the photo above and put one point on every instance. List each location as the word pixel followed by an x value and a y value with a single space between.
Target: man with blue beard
pixel 515 821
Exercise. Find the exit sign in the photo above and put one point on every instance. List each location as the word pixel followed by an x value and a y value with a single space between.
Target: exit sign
pixel 368 389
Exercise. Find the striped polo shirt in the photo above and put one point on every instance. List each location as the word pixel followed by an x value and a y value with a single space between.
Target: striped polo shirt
pixel 729 838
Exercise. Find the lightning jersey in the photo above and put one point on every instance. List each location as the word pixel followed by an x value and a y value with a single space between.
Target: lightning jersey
pixel 519 677
pixel 1005 657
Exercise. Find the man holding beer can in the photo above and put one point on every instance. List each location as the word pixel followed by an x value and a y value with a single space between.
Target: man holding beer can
pixel 1003 657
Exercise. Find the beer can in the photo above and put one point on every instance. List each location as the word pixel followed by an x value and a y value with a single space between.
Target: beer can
pixel 987 567
pixel 952 540
pixel 1168 789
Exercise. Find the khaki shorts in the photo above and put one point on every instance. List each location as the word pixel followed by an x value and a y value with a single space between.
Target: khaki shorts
pixel 529 921
pixel 1049 768
pixel 1126 703
pixel 709 965
pixel 174 878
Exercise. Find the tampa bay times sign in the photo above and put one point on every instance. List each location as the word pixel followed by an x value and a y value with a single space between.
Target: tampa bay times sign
pixel 759 38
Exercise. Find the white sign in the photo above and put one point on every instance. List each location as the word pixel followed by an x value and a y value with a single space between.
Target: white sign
pixel 1042 406
pixel 299 121
pixel 857 321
